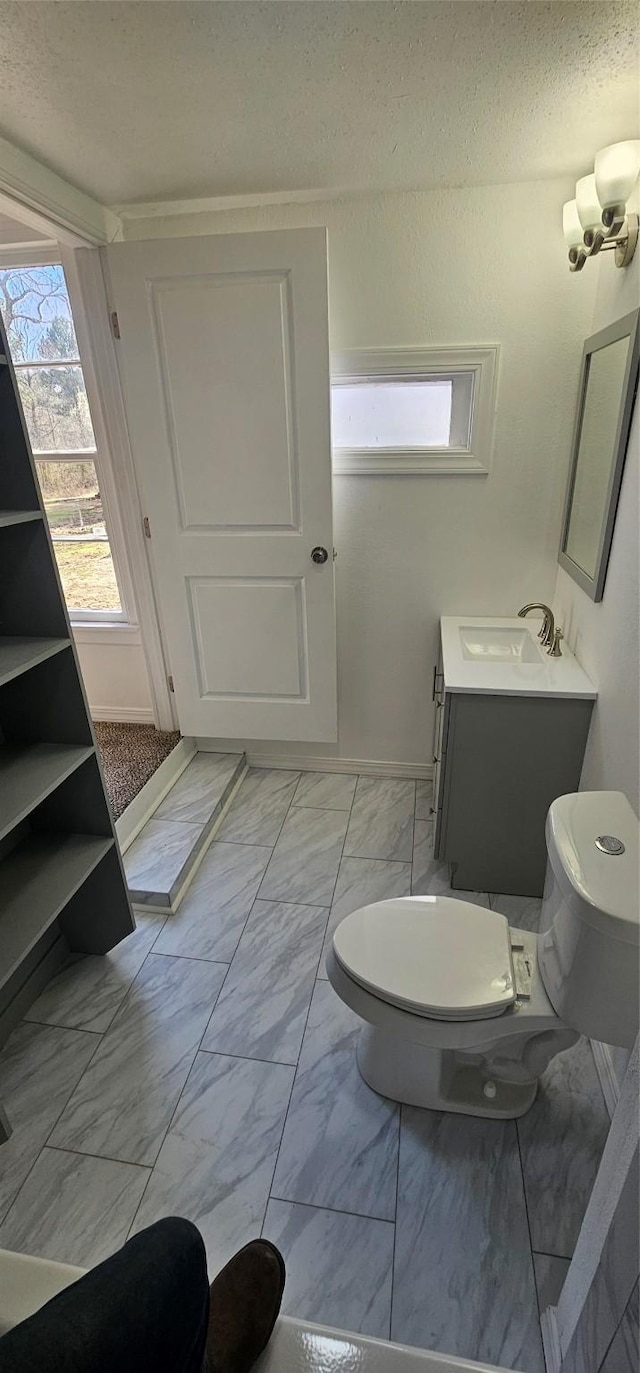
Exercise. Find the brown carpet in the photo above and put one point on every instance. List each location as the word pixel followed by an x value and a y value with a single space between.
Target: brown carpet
pixel 130 755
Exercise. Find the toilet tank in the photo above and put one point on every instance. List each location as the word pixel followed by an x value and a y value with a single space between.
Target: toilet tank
pixel 588 945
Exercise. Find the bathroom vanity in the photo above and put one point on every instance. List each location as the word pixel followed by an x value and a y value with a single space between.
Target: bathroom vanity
pixel 510 734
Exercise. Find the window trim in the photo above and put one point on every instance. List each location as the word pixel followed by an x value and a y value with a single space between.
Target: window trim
pixel 398 363
pixel 56 254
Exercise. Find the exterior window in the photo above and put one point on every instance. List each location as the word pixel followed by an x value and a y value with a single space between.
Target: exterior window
pixel 413 410
pixel 35 307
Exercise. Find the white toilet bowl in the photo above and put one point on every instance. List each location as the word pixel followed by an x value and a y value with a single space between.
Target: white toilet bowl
pixel 463 1013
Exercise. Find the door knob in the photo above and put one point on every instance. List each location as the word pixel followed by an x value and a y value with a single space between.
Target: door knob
pixel 319 555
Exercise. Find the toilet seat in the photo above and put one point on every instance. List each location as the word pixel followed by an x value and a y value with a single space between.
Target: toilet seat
pixel 432 955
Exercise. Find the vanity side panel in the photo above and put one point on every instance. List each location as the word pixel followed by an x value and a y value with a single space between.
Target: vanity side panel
pixel 509 757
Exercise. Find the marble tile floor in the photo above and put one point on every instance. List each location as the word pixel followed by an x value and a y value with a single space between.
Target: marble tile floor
pixel 158 862
pixel 205 1067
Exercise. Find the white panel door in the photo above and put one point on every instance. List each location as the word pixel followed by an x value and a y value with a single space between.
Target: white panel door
pixel 224 360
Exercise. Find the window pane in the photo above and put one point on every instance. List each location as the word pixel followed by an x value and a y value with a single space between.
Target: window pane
pixel 391 414
pixel 37 316
pixel 76 519
pixel 87 574
pixel 56 409
pixel 72 498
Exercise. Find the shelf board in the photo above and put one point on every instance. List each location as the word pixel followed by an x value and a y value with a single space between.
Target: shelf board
pixel 18 516
pixel 29 773
pixel 17 655
pixel 37 879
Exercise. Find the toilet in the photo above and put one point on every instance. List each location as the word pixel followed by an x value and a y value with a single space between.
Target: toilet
pixel 463 1013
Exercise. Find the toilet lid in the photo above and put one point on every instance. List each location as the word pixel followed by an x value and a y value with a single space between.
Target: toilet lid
pixel 433 955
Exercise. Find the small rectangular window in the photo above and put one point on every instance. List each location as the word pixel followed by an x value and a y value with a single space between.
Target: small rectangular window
pixel 413 410
pixel 374 413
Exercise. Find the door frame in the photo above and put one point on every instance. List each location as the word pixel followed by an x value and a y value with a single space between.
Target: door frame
pixel 88 268
pixel 81 262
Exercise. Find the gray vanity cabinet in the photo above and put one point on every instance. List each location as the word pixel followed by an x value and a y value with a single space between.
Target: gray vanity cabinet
pixel 499 763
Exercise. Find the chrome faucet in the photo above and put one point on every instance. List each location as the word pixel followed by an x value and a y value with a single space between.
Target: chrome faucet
pixel 547 633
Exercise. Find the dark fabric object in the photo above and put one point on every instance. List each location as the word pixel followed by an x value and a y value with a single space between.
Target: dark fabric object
pixel 145 1310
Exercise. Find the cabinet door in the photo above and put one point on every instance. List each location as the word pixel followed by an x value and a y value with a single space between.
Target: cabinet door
pixel 507 758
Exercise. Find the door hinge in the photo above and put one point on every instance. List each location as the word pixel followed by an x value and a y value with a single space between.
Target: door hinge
pixel 147 527
pixel 170 684
pixel 115 324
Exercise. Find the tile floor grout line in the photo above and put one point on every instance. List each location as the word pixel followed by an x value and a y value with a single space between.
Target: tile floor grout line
pixel 197 1050
pixel 256 898
pixel 125 999
pixel 333 893
pixel 619 1327
pixel 355 791
pixel 395 1221
pixel 56 1025
pixel 284 1121
pixel 164 1137
pixel 224 980
pixel 306 1021
pixel 213 1053
pixel 400 1109
pixel 248 1058
pixel 45 1143
pixel 188 957
pixel 284 818
pixel 258 846
pixel 296 1065
pixel 238 843
pixel 104 1158
pixel 531 1249
pixel 99 1037
pixel 335 1210
pixel 249 912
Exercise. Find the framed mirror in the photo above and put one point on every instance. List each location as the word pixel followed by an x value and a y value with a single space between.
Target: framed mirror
pixel 608 384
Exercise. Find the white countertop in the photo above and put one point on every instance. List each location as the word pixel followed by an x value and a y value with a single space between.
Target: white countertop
pixel 549 677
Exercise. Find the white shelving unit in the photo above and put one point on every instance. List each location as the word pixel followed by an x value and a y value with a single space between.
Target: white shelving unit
pixel 62 887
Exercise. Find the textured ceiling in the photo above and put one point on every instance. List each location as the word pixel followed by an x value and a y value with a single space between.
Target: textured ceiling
pixel 153 100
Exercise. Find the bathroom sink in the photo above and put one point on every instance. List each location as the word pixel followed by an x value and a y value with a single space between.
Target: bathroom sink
pixel 504 657
pixel 497 644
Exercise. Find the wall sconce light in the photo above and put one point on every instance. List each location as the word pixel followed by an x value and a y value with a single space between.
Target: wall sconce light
pixel 597 219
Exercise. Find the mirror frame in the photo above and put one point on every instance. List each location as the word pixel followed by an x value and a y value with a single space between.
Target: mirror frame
pixel 627 327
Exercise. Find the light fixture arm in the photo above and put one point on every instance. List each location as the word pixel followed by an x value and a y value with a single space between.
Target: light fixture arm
pixel 623 242
pixel 597 219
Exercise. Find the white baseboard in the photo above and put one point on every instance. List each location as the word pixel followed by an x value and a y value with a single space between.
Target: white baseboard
pixel 153 792
pixel 309 763
pixel 606 1074
pixel 551 1340
pixel 123 715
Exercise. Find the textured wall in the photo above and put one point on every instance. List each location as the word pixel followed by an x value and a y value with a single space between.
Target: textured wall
pixel 476 266
pixel 604 636
pixel 115 679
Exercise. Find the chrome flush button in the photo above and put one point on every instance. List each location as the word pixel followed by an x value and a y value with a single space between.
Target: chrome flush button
pixel 609 843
